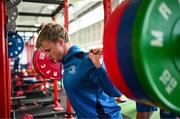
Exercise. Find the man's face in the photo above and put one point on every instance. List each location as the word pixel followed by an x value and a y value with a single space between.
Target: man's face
pixel 54 50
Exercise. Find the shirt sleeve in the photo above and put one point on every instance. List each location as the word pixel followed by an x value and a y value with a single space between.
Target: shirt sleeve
pixel 101 78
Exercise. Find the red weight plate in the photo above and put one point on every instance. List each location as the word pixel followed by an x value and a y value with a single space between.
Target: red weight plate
pixel 110 49
pixel 45 66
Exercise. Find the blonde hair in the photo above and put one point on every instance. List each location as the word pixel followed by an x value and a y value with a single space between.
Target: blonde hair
pixel 52 32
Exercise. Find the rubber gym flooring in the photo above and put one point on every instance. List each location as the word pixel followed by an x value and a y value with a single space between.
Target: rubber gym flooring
pixel 46 111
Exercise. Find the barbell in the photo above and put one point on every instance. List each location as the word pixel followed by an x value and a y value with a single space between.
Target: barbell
pixel 141 54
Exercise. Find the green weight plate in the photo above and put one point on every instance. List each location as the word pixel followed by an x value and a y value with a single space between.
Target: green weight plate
pixel 156 40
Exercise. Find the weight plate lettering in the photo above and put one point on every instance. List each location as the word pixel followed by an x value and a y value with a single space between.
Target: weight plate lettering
pixel 45 66
pixel 156 50
pixel 15 44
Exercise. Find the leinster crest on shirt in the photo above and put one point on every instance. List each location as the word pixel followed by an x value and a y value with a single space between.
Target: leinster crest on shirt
pixel 72 69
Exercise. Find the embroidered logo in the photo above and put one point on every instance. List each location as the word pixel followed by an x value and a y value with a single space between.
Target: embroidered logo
pixel 72 69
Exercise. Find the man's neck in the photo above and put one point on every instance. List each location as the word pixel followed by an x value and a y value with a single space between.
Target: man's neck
pixel 67 46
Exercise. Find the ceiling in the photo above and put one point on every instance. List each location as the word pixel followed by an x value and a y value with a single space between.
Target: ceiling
pixel 34 13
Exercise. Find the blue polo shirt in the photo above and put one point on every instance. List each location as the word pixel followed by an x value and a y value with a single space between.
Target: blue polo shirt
pixel 89 89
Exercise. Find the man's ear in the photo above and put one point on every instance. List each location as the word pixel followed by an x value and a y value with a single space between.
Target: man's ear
pixel 61 41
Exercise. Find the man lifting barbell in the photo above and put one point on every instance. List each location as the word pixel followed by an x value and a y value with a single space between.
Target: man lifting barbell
pixel 87 85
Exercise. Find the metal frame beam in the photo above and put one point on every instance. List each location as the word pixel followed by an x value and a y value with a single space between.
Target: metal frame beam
pixel 26 31
pixel 90 8
pixel 87 10
pixel 46 1
pixel 5 90
pixel 34 14
pixel 27 26
pixel 56 11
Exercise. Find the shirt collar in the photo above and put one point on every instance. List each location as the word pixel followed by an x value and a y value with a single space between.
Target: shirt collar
pixel 73 50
